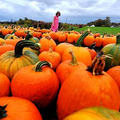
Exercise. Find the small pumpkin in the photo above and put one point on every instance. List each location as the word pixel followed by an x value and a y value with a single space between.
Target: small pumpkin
pixel 94 113
pixel 108 40
pixel 10 36
pixel 37 34
pixel 12 41
pixel 89 40
pixel 62 37
pixel 37 83
pixel 46 43
pixel 14 108
pixel 50 56
pixel 12 61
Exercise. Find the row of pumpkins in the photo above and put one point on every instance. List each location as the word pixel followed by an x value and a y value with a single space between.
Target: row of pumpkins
pixel 36 70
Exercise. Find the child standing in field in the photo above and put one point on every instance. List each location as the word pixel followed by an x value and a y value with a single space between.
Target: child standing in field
pixel 55 23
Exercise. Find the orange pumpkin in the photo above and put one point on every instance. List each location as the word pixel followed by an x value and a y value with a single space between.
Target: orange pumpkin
pixel 71 37
pixel 37 34
pixel 53 35
pixel 61 47
pixel 87 88
pixel 4 85
pixel 50 56
pixel 5 48
pixel 82 55
pixel 12 41
pixel 96 35
pixel 46 43
pixel 98 41
pixel 67 67
pixel 37 83
pixel 89 40
pixel 114 72
pixel 93 53
pixel 62 37
pixel 109 40
pixel 20 33
pixel 14 108
pixel 6 31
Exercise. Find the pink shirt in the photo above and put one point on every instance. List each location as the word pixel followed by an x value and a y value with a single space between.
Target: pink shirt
pixel 55 24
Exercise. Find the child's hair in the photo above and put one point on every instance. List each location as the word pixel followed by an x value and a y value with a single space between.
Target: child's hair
pixel 58 13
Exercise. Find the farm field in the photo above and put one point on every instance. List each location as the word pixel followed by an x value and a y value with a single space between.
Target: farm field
pixel 101 30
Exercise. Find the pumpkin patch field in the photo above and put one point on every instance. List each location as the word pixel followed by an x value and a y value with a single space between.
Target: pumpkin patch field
pixel 64 75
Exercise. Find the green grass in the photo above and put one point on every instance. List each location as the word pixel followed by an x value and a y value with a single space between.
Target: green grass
pixel 101 30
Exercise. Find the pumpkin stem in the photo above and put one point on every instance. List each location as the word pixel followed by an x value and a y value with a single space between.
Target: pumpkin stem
pixel 25 43
pixel 82 37
pixel 51 49
pixel 39 65
pixel 3 113
pixel 74 60
pixel 118 39
pixel 98 64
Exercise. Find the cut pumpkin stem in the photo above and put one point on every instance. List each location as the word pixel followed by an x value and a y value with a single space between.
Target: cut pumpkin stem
pixel 98 64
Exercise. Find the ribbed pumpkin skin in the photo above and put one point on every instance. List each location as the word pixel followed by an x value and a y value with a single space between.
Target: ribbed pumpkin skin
pixel 5 48
pixel 19 109
pixel 4 85
pixel 95 113
pixel 114 50
pixel 38 87
pixel 51 56
pixel 9 64
pixel 82 55
pixel 66 68
pixel 82 90
pixel 114 72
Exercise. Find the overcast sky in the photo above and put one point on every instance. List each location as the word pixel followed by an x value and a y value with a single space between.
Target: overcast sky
pixel 46 9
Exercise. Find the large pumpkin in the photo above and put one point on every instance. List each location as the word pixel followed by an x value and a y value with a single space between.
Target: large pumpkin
pixel 14 108
pixel 94 113
pixel 87 88
pixel 12 61
pixel 37 83
pixel 114 51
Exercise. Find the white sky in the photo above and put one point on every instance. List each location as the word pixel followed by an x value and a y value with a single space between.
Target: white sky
pixel 45 9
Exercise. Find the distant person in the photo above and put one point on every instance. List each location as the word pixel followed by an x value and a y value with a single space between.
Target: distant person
pixel 55 23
